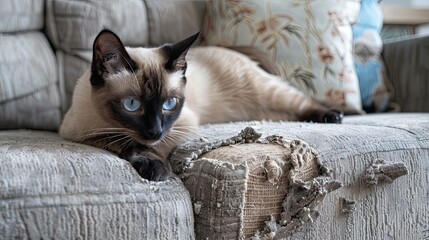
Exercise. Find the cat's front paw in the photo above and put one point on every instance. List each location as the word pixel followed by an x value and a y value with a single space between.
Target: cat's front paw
pixel 332 116
pixel 152 170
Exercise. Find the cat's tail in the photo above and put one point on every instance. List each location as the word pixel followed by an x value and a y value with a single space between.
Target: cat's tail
pixel 262 58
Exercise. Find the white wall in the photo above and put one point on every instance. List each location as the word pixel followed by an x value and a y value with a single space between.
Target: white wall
pixel 422 29
pixel 397 2
pixel 414 3
pixel 420 3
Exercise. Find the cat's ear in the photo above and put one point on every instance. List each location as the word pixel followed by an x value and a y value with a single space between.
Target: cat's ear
pixel 108 57
pixel 175 53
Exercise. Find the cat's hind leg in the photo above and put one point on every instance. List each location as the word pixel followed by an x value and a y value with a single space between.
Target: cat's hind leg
pixel 276 95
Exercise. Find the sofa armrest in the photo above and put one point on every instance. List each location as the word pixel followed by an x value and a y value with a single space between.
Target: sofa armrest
pixel 407 62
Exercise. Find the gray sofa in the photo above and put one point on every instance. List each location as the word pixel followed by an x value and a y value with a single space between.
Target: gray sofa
pixel 364 179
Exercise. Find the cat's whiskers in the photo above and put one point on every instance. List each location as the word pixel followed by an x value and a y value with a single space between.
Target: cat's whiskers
pixel 175 138
pixel 181 137
pixel 184 134
pixel 94 133
pixel 167 141
pixel 97 130
pixel 108 145
pixel 189 128
pixel 127 143
pixel 170 141
pixel 191 131
pixel 109 137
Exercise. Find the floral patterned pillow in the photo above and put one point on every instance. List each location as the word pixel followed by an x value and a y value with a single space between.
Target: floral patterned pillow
pixel 311 40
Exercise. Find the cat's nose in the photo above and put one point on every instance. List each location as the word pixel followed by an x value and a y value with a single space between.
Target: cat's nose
pixel 154 133
pixel 153 128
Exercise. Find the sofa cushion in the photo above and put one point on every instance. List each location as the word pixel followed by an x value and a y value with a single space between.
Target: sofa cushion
pixel 172 21
pixel 71 67
pixel 21 15
pixel 29 96
pixel 75 24
pixel 55 189
pixel 310 40
pixel 407 61
pixel 381 160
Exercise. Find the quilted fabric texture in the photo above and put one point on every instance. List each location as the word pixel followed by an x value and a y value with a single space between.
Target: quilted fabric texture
pixel 369 65
pixel 311 41
pixel 19 15
pixel 166 27
pixel 75 24
pixel 55 189
pixel 71 68
pixel 29 96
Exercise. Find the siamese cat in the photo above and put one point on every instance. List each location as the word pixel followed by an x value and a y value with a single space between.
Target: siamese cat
pixel 140 103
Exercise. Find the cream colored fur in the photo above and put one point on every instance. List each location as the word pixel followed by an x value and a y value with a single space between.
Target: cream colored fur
pixel 222 86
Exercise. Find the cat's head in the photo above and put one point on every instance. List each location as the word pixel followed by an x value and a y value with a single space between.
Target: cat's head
pixel 140 89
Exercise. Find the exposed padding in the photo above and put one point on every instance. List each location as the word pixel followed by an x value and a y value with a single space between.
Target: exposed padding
pixel 240 183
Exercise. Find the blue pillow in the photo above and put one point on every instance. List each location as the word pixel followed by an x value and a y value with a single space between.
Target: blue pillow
pixel 369 65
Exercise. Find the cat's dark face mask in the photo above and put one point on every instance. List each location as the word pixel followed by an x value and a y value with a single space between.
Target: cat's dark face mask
pixel 141 90
pixel 150 119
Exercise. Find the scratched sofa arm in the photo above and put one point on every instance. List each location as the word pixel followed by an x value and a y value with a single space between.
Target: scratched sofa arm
pixel 295 180
pixel 407 62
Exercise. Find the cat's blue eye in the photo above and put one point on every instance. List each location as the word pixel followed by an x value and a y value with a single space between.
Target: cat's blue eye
pixel 131 104
pixel 169 104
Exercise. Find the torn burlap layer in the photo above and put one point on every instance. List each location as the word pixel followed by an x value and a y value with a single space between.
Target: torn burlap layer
pixel 240 183
pixel 269 172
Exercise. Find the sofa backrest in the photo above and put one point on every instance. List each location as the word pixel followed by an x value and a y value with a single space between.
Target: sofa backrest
pixel 73 25
pixel 29 94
